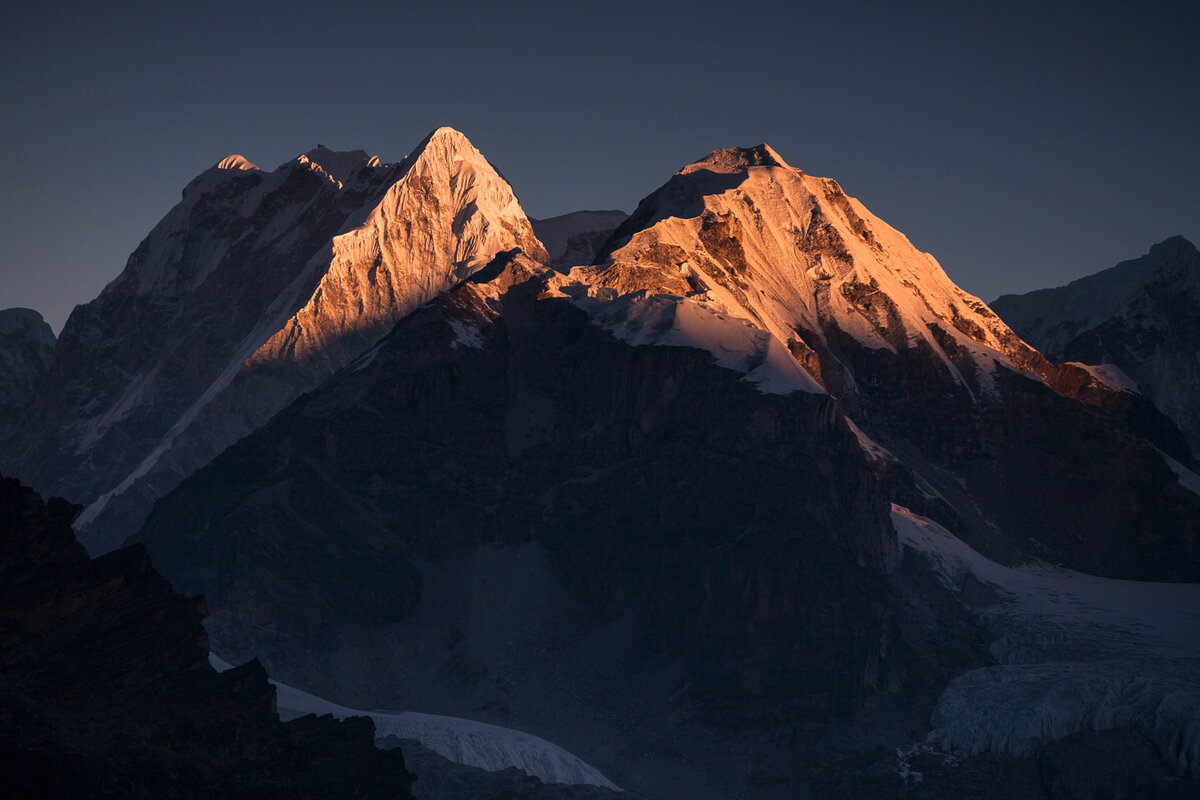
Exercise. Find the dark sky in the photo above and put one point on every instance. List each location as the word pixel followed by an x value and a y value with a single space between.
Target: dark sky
pixel 1023 145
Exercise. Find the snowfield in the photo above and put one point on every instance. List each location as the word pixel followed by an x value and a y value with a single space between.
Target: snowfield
pixel 1076 652
pixel 462 741
pixel 642 318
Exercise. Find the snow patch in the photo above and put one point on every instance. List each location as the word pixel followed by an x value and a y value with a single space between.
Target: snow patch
pixel 1110 375
pixel 367 358
pixel 462 741
pixel 1046 612
pixel 1187 479
pixel 236 162
pixel 673 321
pixel 465 335
pixel 555 233
pixel 869 446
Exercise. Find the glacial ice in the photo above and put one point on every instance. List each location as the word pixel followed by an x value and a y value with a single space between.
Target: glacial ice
pixel 1076 653
pixel 462 741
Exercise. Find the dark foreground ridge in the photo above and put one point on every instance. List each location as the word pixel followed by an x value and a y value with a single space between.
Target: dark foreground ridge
pixel 106 689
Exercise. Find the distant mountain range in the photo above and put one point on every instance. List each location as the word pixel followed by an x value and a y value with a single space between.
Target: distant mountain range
pixel 1142 316
pixel 685 491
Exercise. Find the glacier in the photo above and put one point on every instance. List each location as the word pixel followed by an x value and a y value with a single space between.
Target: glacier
pixel 463 741
pixel 1076 652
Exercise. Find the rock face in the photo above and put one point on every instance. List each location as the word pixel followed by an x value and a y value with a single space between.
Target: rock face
pixel 957 400
pixel 26 350
pixel 249 292
pixel 1142 315
pixel 575 238
pixel 627 550
pixel 106 690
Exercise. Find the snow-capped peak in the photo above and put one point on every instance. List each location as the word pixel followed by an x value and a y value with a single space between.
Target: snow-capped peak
pixel 446 143
pixel 796 256
pixel 445 136
pixel 447 215
pixel 315 261
pixel 236 162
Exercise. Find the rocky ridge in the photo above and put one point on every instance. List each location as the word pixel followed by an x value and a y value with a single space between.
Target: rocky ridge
pixel 1142 315
pixel 575 238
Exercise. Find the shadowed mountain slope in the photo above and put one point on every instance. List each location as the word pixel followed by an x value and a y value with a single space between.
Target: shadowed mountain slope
pixel 106 689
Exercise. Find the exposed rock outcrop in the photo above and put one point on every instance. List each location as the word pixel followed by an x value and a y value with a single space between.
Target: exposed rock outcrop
pixel 26 350
pixel 106 689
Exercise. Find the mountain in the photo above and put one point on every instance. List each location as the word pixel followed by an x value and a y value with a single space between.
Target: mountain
pixel 575 238
pixel 1142 315
pixel 730 511
pixel 26 349
pixel 106 691
pixel 972 419
pixel 506 512
pixel 250 291
pixel 644 508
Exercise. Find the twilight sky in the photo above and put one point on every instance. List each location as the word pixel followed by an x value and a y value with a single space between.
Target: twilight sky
pixel 1024 145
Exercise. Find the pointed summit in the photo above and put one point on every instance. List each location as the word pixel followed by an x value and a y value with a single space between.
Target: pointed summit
pixel 444 136
pixel 447 216
pixel 449 145
pixel 793 254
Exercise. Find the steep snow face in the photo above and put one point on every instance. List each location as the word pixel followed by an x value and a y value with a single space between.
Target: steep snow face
pixel 1142 315
pixel 463 741
pixel 26 349
pixel 445 218
pixel 575 238
pixel 252 289
pixel 1076 652
pixel 672 321
pixel 799 258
